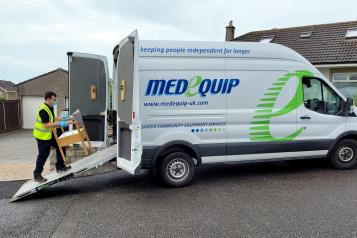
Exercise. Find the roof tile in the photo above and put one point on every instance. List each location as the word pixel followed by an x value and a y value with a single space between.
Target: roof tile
pixel 7 85
pixel 327 44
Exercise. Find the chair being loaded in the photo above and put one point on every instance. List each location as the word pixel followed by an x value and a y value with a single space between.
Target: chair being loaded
pixel 76 136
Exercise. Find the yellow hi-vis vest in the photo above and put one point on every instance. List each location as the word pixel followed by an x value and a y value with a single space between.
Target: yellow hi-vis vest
pixel 39 131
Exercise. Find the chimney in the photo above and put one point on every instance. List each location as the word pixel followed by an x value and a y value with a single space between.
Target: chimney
pixel 230 31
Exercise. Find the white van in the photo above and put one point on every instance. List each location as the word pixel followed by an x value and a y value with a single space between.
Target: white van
pixel 181 104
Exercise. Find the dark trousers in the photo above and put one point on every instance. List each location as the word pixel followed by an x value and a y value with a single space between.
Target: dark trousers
pixel 44 148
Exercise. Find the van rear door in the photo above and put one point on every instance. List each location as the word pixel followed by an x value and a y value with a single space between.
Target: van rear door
pixel 128 126
pixel 88 92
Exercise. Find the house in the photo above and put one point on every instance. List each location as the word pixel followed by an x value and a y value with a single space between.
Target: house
pixel 332 48
pixel 7 90
pixel 31 94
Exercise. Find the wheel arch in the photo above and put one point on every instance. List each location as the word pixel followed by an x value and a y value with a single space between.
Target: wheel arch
pixel 188 147
pixel 345 135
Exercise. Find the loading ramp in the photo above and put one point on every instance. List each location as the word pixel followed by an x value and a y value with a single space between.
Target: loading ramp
pixel 92 161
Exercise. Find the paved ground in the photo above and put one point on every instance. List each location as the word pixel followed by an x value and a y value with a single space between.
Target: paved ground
pixel 18 152
pixel 287 199
pixel 17 146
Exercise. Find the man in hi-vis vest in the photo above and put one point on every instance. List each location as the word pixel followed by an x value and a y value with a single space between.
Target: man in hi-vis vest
pixel 45 122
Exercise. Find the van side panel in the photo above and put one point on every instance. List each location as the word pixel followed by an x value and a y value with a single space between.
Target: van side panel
pixel 231 106
pixel 261 94
pixel 184 100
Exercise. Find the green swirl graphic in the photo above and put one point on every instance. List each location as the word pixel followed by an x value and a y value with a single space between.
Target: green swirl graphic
pixel 260 126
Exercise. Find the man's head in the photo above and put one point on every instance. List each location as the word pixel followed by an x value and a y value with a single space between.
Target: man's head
pixel 50 98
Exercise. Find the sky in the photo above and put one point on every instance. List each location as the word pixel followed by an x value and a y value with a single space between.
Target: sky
pixel 35 35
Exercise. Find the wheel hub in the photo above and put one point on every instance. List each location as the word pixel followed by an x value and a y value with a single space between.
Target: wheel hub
pixel 345 154
pixel 177 169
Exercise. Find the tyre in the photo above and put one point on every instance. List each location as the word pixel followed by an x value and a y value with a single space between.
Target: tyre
pixel 177 169
pixel 344 155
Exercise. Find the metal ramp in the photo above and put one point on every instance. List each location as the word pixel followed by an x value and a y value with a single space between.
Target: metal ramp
pixel 79 166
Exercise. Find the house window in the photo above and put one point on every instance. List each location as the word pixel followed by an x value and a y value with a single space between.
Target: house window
pixel 346 83
pixel 353 76
pixel 351 33
pixel 267 39
pixel 306 34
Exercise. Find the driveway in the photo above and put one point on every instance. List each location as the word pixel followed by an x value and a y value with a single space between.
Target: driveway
pixel 18 152
pixel 18 146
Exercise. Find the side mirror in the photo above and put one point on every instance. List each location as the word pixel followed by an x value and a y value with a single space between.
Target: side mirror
pixel 347 106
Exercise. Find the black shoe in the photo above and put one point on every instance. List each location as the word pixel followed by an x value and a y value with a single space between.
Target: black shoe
pixel 63 169
pixel 40 179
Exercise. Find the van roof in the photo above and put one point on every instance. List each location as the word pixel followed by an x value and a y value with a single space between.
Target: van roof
pixel 161 48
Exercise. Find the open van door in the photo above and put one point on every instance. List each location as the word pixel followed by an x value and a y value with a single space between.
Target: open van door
pixel 88 92
pixel 128 126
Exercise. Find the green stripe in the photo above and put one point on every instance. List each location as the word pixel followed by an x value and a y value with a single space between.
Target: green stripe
pixel 261 122
pixel 284 79
pixel 264 110
pixel 260 133
pixel 266 116
pixel 276 88
pixel 268 99
pixel 257 128
pixel 272 94
pixel 279 83
pixel 266 105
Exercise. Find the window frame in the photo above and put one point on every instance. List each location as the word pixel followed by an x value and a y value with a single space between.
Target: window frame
pixel 266 39
pixel 352 30
pixel 305 34
pixel 328 87
pixel 348 80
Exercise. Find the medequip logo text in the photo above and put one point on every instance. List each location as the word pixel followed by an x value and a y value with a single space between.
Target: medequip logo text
pixel 190 87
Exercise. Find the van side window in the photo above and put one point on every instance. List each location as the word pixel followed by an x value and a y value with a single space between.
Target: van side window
pixel 319 97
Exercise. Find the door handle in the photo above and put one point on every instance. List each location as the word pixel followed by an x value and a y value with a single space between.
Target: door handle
pixel 305 117
pixel 122 90
pixel 93 92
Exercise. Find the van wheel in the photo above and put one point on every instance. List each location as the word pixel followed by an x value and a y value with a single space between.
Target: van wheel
pixel 177 169
pixel 344 155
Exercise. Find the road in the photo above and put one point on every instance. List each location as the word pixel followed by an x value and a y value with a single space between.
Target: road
pixel 285 199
